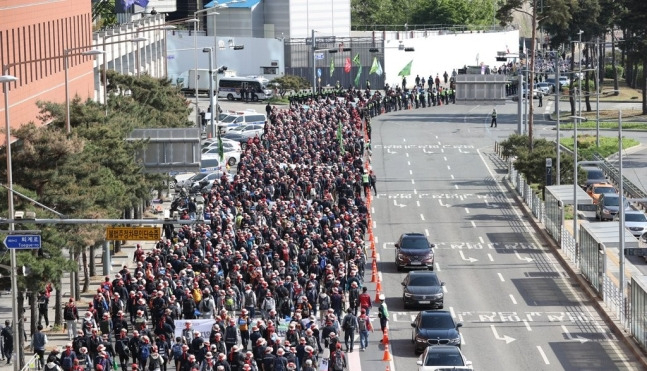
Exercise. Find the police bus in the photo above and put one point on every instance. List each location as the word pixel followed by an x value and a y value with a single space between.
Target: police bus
pixel 230 87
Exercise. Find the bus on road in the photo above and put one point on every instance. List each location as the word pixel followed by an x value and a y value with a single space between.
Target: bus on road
pixel 230 88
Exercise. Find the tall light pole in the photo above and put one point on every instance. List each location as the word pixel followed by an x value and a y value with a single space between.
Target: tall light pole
pixel 576 121
pixel 66 54
pixel 213 102
pixel 621 213
pixel 559 148
pixel 195 22
pixel 6 80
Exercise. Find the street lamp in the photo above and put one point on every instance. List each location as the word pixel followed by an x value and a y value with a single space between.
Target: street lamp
pixel 212 101
pixel 66 54
pixel 195 22
pixel 6 80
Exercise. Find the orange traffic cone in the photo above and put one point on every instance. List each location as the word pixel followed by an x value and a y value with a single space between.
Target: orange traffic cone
pixel 378 286
pixel 385 336
pixel 374 276
pixel 387 354
pixel 373 254
pixel 372 244
pixel 377 295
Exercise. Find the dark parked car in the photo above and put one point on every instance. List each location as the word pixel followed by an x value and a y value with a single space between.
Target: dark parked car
pixel 413 250
pixel 609 205
pixel 433 327
pixel 422 288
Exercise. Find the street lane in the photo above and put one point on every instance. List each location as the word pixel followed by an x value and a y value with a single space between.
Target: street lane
pixel 519 309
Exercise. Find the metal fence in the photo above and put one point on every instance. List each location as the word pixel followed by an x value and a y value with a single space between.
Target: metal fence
pixel 630 189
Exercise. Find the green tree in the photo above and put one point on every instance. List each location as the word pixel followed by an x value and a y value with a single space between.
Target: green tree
pixel 290 83
pixel 635 22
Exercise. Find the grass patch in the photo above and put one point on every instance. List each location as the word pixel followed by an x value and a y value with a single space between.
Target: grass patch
pixel 568 212
pixel 608 145
pixel 637 126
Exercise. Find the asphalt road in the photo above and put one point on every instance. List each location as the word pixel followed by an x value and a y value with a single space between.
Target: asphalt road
pixel 437 174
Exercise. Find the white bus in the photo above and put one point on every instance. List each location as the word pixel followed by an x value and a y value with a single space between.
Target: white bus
pixel 230 87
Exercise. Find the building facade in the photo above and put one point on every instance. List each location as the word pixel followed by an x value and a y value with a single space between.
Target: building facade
pixel 33 38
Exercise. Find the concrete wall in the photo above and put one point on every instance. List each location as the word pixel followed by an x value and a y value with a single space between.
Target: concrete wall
pixel 256 54
pixel 438 53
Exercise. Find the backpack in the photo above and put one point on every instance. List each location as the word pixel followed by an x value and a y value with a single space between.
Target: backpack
pixel 229 303
pixel 278 364
pixel 204 305
pixel 154 363
pixel 68 313
pixel 349 323
pixel 177 351
pixel 144 352
pixel 188 306
pixel 338 361
pixel 325 302
pixel 362 324
pixel 66 361
pixel 54 368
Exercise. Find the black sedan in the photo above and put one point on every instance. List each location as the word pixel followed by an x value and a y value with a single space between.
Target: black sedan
pixel 414 251
pixel 422 288
pixel 432 327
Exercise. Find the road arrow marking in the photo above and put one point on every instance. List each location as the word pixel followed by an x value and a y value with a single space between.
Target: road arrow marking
pixel 425 151
pixel 470 259
pixel 506 338
pixel 398 205
pixel 570 337
pixel 528 260
pixel 388 150
pixel 442 204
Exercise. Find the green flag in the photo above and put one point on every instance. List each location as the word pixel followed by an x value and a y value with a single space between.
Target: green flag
pixel 374 66
pixel 406 71
pixel 221 150
pixel 340 137
pixel 332 65
pixel 359 73
pixel 356 59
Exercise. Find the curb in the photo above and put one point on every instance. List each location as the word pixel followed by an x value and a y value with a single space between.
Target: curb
pixel 615 327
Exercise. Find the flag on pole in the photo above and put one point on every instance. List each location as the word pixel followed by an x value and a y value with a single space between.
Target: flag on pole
pixel 356 59
pixel 379 71
pixel 359 73
pixel 347 65
pixel 332 66
pixel 340 136
pixel 142 3
pixel 373 66
pixel 406 71
pixel 221 150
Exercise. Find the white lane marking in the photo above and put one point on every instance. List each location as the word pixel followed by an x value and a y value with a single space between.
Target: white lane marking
pixel 451 311
pixel 375 239
pixel 473 224
pixel 451 176
pixel 467 210
pixel 372 210
pixel 501 277
pixel 427 232
pixel 514 301
pixel 481 239
pixel 525 322
pixel 374 224
pixel 413 181
pixel 445 158
pixel 422 217
pixel 456 186
pixel 439 142
pixel 445 289
pixel 486 203
pixel 409 163
pixel 410 172
pixel 418 203
pixel 449 167
pixel 543 355
pixel 404 140
pixel 490 257
pixel 442 150
pixel 407 154
pixel 437 267
pixel 377 258
pixel 415 191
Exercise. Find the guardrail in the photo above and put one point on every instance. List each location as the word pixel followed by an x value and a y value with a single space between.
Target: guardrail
pixel 630 189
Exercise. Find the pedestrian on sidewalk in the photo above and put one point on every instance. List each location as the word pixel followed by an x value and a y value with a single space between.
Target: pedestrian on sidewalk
pixel 493 122
pixel 365 301
pixel 70 315
pixel 541 99
pixel 38 342
pixel 43 301
pixel 349 324
pixel 7 340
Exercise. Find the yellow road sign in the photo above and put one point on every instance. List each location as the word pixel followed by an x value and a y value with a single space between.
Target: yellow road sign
pixel 133 233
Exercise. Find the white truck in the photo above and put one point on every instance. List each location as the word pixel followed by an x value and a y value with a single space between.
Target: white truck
pixel 203 82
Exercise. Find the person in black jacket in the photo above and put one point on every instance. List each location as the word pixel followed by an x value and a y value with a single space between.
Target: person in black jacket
pixel 121 347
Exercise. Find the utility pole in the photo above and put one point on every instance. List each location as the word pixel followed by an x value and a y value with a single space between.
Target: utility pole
pixel 531 77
